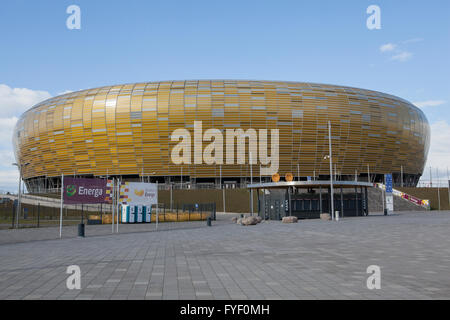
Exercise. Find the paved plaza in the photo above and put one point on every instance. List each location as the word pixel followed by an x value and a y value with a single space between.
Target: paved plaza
pixel 313 259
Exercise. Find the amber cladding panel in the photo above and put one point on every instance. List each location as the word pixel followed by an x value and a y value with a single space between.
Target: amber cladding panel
pixel 126 129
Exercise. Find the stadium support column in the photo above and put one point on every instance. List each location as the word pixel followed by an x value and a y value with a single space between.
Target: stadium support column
pixel 289 200
pixel 320 199
pixel 367 201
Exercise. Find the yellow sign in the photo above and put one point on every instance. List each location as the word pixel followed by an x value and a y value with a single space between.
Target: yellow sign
pixel 276 177
pixel 289 177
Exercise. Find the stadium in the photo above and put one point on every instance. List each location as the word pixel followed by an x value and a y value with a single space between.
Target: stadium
pixel 126 131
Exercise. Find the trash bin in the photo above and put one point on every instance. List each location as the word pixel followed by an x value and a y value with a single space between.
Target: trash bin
pixel 385 212
pixel 81 230
pixel 208 221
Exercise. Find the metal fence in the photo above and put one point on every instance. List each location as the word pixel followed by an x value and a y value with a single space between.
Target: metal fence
pixel 39 215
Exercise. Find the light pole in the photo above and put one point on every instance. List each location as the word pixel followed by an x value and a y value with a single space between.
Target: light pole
pixel 401 176
pixel 331 172
pixel 19 194
pixel 251 182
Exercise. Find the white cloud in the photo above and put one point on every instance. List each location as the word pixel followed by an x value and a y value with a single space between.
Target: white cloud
pixel 402 56
pixel 6 130
pixel 387 47
pixel 439 154
pixel 9 181
pixel 429 103
pixel 399 53
pixel 14 101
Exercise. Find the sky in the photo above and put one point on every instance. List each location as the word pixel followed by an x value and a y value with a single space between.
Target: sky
pixel 312 41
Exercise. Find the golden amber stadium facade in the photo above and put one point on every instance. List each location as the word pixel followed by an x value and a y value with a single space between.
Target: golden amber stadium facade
pixel 125 130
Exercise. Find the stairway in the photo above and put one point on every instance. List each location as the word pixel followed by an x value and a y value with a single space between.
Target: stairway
pixel 375 205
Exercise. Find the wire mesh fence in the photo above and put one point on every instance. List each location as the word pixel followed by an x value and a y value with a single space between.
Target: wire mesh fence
pixel 37 215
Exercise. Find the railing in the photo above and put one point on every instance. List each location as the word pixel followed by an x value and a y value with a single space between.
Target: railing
pixel 419 202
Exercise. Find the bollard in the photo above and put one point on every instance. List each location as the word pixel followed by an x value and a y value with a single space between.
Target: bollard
pixel 208 221
pixel 385 212
pixel 81 230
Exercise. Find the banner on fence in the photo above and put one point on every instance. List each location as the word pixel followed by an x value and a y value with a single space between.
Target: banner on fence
pixel 83 190
pixel 138 193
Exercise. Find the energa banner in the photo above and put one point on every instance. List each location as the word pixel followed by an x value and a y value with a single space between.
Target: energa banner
pixel 81 190
pixel 138 193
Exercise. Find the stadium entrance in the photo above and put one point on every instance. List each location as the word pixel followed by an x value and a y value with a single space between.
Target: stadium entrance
pixel 308 199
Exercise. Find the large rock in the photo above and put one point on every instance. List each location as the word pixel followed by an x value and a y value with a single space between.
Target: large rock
pixel 325 216
pixel 259 219
pixel 234 219
pixel 249 221
pixel 290 219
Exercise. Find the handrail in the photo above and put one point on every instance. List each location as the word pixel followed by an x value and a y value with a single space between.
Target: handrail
pixel 425 203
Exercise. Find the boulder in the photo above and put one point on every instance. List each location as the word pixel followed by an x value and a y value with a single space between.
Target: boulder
pixel 239 221
pixel 258 219
pixel 325 216
pixel 249 221
pixel 234 219
pixel 290 219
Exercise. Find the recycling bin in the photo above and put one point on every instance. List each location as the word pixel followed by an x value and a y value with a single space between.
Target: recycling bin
pixel 139 213
pixel 147 215
pixel 128 214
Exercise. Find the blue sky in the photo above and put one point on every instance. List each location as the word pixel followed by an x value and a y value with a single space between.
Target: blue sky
pixel 316 41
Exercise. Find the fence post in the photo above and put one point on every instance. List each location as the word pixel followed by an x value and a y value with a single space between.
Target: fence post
pixel 38 212
pixel 13 213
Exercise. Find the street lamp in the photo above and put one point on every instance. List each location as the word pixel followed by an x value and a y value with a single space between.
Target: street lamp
pixel 331 173
pixel 19 194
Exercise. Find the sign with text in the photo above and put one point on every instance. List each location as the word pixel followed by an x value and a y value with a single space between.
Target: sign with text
pixel 389 192
pixel 138 193
pixel 81 190
pixel 388 182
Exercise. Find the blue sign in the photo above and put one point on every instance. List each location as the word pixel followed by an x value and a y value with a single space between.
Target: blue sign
pixel 308 178
pixel 388 182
